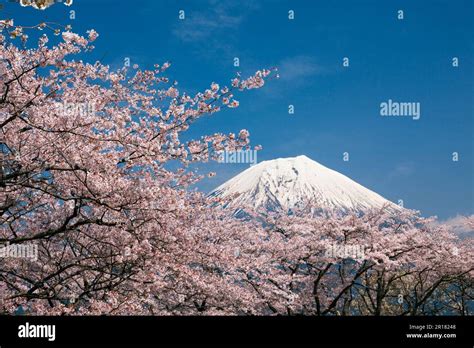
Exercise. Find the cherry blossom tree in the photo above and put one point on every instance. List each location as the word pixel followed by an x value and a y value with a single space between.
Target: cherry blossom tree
pixel 83 176
pixel 42 4
pixel 379 263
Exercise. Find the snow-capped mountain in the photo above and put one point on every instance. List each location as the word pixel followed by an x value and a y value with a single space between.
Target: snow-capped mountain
pixel 284 184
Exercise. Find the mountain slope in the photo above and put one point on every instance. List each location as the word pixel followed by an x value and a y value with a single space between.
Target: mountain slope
pixel 288 183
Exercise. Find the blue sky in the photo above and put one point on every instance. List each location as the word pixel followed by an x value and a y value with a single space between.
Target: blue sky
pixel 336 107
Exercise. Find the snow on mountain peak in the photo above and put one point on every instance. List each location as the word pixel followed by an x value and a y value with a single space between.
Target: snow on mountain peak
pixel 288 183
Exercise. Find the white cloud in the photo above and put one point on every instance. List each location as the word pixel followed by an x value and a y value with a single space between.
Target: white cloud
pixel 402 170
pixel 459 226
pixel 296 69
pixel 199 26
pixel 218 17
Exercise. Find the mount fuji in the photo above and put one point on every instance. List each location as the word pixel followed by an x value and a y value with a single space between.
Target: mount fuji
pixel 285 184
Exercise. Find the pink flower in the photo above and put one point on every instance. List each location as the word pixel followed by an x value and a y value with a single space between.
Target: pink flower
pixel 69 37
pixel 233 104
pixel 92 35
pixel 214 87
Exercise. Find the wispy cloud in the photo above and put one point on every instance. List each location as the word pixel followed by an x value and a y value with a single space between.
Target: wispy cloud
pixel 402 170
pixel 217 18
pixel 199 26
pixel 298 68
pixel 294 72
pixel 459 226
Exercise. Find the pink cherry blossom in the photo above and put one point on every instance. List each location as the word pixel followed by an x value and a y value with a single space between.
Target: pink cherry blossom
pixel 85 178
